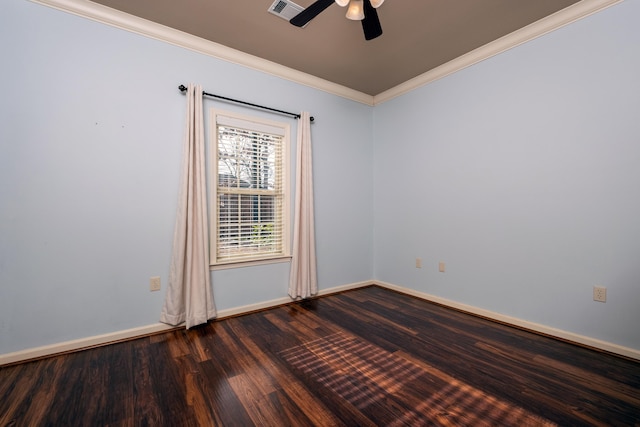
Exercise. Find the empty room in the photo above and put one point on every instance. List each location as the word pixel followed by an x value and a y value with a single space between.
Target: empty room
pixel 320 212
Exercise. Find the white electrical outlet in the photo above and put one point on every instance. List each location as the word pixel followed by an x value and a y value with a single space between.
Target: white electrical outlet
pixel 441 267
pixel 154 283
pixel 418 262
pixel 600 294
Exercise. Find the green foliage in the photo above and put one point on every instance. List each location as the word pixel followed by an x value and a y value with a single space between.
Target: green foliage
pixel 262 234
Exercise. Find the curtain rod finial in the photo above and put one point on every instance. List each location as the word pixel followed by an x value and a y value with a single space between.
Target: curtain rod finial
pixel 182 88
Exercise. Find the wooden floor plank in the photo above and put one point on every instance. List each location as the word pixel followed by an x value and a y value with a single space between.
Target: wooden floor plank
pixel 292 389
pixel 221 398
pixel 364 357
pixel 147 410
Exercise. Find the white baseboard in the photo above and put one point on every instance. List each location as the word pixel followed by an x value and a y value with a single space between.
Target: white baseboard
pixel 99 340
pixel 82 343
pixel 280 301
pixel 536 327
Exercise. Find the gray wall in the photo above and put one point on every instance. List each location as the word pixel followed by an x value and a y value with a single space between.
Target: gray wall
pixel 91 125
pixel 522 174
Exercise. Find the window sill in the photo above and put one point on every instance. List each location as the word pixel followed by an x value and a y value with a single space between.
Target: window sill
pixel 251 263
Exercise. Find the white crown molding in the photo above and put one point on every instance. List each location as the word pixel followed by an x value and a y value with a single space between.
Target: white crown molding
pixel 514 321
pixel 539 28
pixel 118 19
pixel 134 24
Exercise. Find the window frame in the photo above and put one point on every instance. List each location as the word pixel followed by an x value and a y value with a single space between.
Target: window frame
pixel 257 124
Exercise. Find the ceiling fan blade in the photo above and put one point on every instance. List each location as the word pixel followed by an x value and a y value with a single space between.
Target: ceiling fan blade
pixel 303 18
pixel 371 23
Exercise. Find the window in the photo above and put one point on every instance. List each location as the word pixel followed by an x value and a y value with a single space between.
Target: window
pixel 250 189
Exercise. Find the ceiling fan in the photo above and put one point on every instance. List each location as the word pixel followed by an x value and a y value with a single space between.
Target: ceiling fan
pixel 359 10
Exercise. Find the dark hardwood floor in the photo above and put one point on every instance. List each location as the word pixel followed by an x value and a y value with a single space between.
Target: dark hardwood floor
pixel 360 358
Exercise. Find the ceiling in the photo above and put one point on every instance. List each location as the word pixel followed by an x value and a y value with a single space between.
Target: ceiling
pixel 419 35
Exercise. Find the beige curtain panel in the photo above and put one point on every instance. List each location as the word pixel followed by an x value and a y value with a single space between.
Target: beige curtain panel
pixel 189 297
pixel 303 278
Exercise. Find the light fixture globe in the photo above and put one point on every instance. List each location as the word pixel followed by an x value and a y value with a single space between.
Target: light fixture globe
pixel 356 10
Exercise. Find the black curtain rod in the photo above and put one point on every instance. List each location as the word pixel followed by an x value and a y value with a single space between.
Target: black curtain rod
pixel 183 88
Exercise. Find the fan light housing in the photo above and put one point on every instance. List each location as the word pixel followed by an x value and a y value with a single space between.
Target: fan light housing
pixel 356 11
pixel 356 8
pixel 375 3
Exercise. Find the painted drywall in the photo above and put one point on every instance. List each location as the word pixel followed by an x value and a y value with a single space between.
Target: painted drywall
pixel 521 173
pixel 518 172
pixel 91 125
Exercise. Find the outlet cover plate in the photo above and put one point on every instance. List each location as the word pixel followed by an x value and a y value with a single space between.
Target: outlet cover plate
pixel 154 283
pixel 441 267
pixel 600 294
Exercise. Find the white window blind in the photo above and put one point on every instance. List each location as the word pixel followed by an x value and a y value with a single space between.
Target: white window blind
pixel 250 190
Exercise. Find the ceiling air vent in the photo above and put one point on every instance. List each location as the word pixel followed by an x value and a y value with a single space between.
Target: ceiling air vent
pixel 285 9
